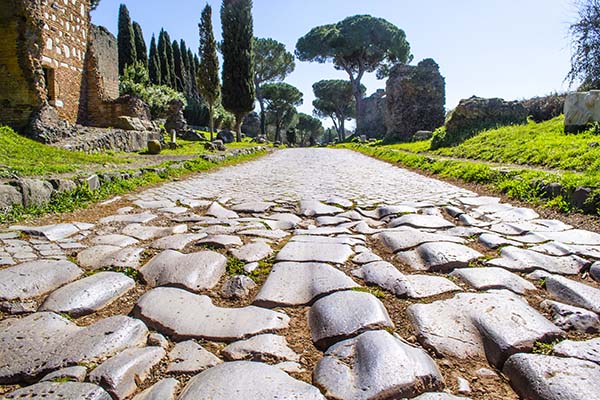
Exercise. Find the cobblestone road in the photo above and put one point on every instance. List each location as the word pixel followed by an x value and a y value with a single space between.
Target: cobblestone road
pixel 307 274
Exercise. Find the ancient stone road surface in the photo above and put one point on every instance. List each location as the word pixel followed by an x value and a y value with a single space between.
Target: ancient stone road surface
pixel 308 274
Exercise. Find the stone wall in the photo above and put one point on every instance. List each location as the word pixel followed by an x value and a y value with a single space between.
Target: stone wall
pixel 581 109
pixel 416 98
pixel 373 118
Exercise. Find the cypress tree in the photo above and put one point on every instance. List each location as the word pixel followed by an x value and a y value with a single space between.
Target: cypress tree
pixel 208 70
pixel 238 64
pixel 141 50
pixel 170 61
pixel 126 44
pixel 154 63
pixel 180 73
pixel 165 71
pixel 193 72
pixel 184 49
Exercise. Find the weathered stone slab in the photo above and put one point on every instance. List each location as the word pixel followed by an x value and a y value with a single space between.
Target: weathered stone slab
pixel 276 234
pixel 323 231
pixel 339 201
pixel 315 252
pixel 121 374
pixel 328 221
pixel 366 258
pixel 142 218
pixel 492 241
pixel 539 377
pixel 263 348
pixel 439 257
pixel 88 295
pixel 60 390
pixel 218 211
pixel 575 236
pixel 408 238
pixel 221 241
pixel 50 232
pixel 574 293
pixel 495 325
pixel 57 343
pixel 286 217
pixel 191 358
pixel 255 381
pixel 345 314
pixel 572 318
pixel 104 256
pixel 588 350
pixel 513 214
pixel 421 221
pixel 154 204
pixel 296 284
pixel 595 271
pixel 165 389
pixel 252 252
pixel 254 207
pixel 522 260
pixel 327 240
pixel 493 278
pixel 376 365
pixel 36 278
pixel 314 208
pixel 72 374
pixel 142 232
pixel 208 322
pixel 385 211
pixel 195 271
pixel 177 242
pixel 439 396
pixel 114 240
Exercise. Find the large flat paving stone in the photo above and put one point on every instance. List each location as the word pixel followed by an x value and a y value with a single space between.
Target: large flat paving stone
pixel 575 236
pixel 252 252
pixel 297 284
pixel 421 221
pixel 539 377
pixel 121 374
pixel 105 256
pixel 574 293
pixel 572 318
pixel 61 391
pixel 88 295
pixel 586 350
pixel 263 348
pixel 190 358
pixel 221 241
pixel 335 253
pixel 218 211
pixel 493 278
pixel 177 242
pixel 184 315
pixel 495 325
pixel 57 342
pixel 142 232
pixel 36 278
pixel 141 218
pixel 409 238
pixel 195 271
pixel 314 208
pixel 253 207
pixel 376 365
pixel 439 257
pixel 247 380
pixel 165 389
pixel 114 240
pixel 345 314
pixel 523 260
pixel 50 232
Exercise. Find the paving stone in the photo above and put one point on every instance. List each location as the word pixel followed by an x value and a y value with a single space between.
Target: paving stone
pixel 315 252
pixel 376 365
pixel 280 225
pixel 574 293
pixel 439 257
pixel 387 276
pixel 495 325
pixel 36 278
pixel 574 236
pixel 366 258
pixel 588 350
pixel 439 396
pixel 572 318
pixel 237 287
pixel 6 261
pixel 595 271
pixel 297 284
pixel 61 390
pixel 177 242
pixel 492 241
pixel 539 377
pixel 165 389
pixel 142 232
pixel 477 201
pixel 18 307
pixel 156 339
pixel 421 221
pixel 253 207
pixel 88 295
pixel 121 374
pixel 408 238
pixel 523 260
pixel 286 217
pixel 252 252
pixel 263 348
pixel 142 218
pixel 104 256
pixel 327 221
pixel 327 240
pixel 345 314
pixel 50 232
pixel 218 211
pixel 385 211
pixel 493 278
pixel 209 322
pixel 513 214
pixel 195 271
pixel 339 201
pixel 72 374
pixel 257 381
pixel 275 234
pixel 314 208
pixel 221 241
pixel 154 204
pixel 57 343
pixel 190 358
pixel 556 249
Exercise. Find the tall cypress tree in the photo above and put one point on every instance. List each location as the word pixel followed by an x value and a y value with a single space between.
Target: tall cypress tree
pixel 127 53
pixel 238 64
pixel 154 63
pixel 180 73
pixel 170 61
pixel 184 49
pixel 141 50
pixel 193 72
pixel 208 71
pixel 165 70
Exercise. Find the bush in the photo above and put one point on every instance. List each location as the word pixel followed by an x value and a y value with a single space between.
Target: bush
pixel 439 139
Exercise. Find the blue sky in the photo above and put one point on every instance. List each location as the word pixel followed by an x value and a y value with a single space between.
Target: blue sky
pixel 491 48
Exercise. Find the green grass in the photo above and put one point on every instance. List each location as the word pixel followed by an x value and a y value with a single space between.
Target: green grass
pixel 25 157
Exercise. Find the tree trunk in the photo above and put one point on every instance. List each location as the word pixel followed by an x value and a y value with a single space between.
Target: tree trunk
pixel 359 104
pixel 239 120
pixel 277 131
pixel 342 132
pixel 337 128
pixel 263 117
pixel 211 122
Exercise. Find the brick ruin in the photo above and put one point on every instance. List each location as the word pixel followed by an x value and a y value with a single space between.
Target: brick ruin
pixel 58 68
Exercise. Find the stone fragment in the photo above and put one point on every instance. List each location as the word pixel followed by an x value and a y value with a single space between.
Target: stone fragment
pixel 495 325
pixel 36 278
pixel 18 307
pixel 218 211
pixel 315 252
pixel 50 232
pixel 595 271
pixel 539 377
pixel 385 211
pixel 121 374
pixel 142 232
pixel 588 350
pixel 290 367
pixel 376 365
pixel 314 208
pixel 177 242
pixel 408 238
pixel 114 240
pixel 60 390
pixel 36 192
pixel 286 217
pixel 328 221
pixel 464 387
pixel 72 374
pixel 104 256
pixel 421 221
pixel 190 358
pixel 142 218
pixel 9 197
pixel 253 208
pixel 263 348
pixel 574 293
pixel 209 322
pixel 257 381
pixel 156 339
pixel 572 318
pixel 88 295
pixel 195 271
pixel 493 278
pixel 154 204
pixel 345 314
pixel 297 284
pixel 237 287
pixel 221 241
pixel 252 252
pixel 439 257
pixel 366 258
pixel 522 260
pixel 165 389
